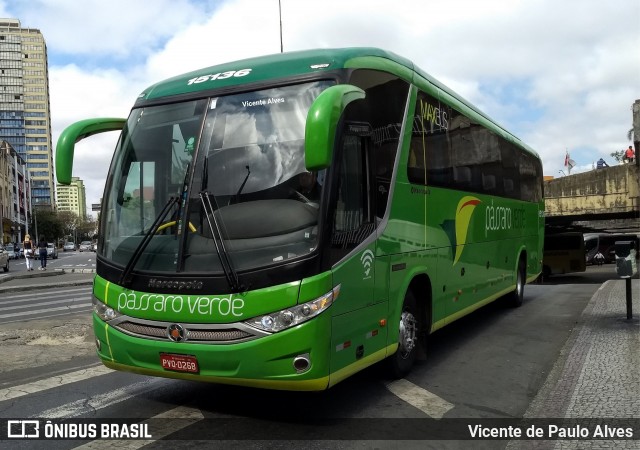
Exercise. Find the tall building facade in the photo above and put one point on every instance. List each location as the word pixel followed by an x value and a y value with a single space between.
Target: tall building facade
pixel 15 195
pixel 25 120
pixel 72 197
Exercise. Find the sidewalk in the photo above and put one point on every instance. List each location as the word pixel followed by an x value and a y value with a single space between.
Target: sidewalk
pixel 598 372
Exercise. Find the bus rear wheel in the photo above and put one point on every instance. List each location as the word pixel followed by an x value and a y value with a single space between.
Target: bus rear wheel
pixel 400 363
pixel 515 298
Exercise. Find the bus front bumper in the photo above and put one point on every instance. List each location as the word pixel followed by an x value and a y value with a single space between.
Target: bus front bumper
pixel 265 362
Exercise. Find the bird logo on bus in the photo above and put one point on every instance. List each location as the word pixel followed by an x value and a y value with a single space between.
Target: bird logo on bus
pixel 458 229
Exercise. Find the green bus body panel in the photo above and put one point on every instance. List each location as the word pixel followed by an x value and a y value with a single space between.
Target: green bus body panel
pixel 471 251
pixel 264 362
pixel 74 133
pixel 205 308
pixel 465 245
pixel 322 120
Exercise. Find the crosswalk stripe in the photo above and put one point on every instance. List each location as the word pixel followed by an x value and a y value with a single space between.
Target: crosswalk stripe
pixel 50 302
pixel 96 402
pixel 37 311
pixel 57 293
pixel 48 316
pixel 420 398
pixel 52 382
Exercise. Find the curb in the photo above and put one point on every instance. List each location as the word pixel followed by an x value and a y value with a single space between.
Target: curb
pixel 29 275
pixel 54 272
pixel 53 284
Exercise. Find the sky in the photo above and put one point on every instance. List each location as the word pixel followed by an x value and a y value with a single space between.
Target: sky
pixel 560 75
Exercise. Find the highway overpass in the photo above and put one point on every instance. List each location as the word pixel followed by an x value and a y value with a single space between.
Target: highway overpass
pixel 605 199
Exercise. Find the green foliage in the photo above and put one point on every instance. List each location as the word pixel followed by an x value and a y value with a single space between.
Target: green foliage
pixel 47 224
pixel 54 226
pixel 68 222
pixel 618 155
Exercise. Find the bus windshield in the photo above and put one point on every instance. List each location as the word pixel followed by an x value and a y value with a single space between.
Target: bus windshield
pixel 228 171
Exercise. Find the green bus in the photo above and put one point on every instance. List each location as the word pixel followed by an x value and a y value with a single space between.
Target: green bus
pixel 288 220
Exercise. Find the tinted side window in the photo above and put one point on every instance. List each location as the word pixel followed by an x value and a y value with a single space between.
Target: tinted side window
pixel 383 109
pixel 451 150
pixel 530 174
pixel 430 155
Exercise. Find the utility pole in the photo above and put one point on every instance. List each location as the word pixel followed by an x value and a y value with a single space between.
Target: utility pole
pixel 280 15
pixel 636 129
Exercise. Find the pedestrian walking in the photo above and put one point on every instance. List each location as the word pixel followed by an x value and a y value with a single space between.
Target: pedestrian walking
pixel 599 259
pixel 28 247
pixel 42 248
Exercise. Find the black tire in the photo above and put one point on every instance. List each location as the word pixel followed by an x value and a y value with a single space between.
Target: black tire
pixel 400 363
pixel 515 297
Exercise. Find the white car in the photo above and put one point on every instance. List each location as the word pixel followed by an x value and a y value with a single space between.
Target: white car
pixel 69 246
pixel 52 251
pixel 85 246
pixel 9 248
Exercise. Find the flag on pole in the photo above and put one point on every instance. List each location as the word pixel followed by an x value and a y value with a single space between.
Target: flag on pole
pixel 568 162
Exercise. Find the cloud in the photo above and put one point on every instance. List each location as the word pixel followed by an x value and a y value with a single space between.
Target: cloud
pixel 79 94
pixel 558 74
pixel 111 30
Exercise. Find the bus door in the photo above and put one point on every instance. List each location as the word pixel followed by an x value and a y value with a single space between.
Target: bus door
pixel 356 329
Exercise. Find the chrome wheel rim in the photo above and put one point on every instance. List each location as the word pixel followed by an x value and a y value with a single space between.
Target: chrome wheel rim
pixel 408 332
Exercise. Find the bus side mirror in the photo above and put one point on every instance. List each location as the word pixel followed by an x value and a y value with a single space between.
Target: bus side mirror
pixel 322 123
pixel 74 133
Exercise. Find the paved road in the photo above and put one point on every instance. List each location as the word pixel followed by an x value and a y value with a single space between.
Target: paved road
pixel 544 359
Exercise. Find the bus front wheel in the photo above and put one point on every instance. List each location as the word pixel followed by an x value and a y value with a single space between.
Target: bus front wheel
pixel 401 362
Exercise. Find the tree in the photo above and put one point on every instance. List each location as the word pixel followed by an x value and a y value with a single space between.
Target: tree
pixel 69 222
pixel 618 155
pixel 47 224
pixel 87 228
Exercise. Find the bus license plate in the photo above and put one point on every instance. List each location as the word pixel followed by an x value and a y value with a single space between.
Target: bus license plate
pixel 179 363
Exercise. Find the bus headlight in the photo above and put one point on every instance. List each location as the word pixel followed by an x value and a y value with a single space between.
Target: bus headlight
pixel 105 312
pixel 290 317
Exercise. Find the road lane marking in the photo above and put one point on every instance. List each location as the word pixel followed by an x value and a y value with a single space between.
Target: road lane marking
pixel 180 417
pixel 420 398
pixel 52 382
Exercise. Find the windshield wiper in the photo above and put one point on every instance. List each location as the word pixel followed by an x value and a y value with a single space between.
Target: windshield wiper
pixel 242 185
pixel 125 278
pixel 182 195
pixel 214 226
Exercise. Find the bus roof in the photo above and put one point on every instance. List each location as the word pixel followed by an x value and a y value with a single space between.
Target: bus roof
pixel 309 62
pixel 267 67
